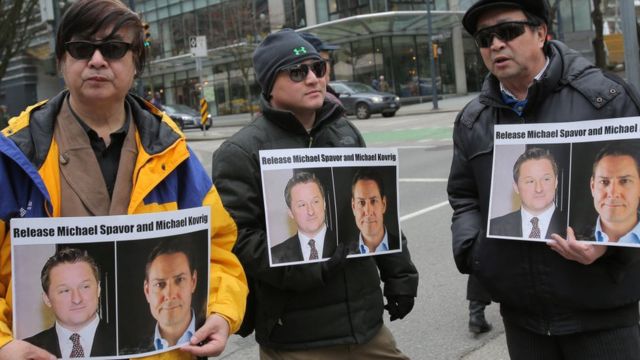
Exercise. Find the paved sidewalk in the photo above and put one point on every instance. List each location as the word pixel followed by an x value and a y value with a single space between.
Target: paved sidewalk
pixel 224 126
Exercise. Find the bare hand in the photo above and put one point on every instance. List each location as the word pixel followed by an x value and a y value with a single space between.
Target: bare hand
pixel 571 249
pixel 210 339
pixel 18 349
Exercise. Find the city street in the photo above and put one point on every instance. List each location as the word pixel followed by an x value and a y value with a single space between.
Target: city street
pixel 437 326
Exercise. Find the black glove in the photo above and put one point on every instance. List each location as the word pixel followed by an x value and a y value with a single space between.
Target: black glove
pixel 336 261
pixel 399 306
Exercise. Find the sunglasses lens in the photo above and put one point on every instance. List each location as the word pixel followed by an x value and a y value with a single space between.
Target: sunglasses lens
pixel 298 73
pixel 113 49
pixel 80 50
pixel 505 32
pixel 83 50
pixel 319 68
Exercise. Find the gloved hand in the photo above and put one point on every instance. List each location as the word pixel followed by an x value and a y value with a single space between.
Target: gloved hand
pixel 399 306
pixel 336 261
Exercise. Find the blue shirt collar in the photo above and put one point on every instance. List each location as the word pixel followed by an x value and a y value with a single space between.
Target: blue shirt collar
pixel 384 245
pixel 632 237
pixel 159 343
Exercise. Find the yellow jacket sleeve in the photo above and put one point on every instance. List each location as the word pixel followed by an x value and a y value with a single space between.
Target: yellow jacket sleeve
pixel 5 285
pixel 228 283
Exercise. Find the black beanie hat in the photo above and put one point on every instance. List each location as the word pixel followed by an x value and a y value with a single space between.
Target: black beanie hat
pixel 539 8
pixel 277 51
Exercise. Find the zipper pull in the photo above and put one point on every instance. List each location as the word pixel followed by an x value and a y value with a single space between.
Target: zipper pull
pixel 310 141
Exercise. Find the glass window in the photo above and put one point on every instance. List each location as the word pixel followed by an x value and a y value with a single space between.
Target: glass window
pixel 582 15
pixel 566 16
pixel 405 66
pixel 343 63
pixel 379 5
pixel 178 37
pixel 294 14
pixel 166 41
pixel 322 10
pixel 364 60
pixel 216 29
pixel 346 8
pixel 187 5
pixel 202 22
pixel 474 67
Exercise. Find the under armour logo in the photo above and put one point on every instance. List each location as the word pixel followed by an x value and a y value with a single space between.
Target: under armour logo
pixel 300 51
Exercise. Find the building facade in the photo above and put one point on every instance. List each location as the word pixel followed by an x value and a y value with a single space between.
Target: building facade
pixel 376 37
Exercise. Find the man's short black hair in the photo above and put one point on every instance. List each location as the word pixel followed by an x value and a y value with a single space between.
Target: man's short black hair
pixel 85 18
pixel 168 247
pixel 368 174
pixel 67 256
pixel 534 153
pixel 301 177
pixel 616 149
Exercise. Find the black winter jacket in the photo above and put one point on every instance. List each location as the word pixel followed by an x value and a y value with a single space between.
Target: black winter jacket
pixel 299 307
pixel 536 287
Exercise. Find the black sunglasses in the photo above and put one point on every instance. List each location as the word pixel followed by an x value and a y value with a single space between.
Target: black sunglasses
pixel 505 31
pixel 299 72
pixel 83 50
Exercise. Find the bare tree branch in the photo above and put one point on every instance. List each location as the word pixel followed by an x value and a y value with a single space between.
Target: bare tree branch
pixel 15 33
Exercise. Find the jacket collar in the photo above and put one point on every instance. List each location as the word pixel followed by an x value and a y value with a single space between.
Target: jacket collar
pixel 33 131
pixel 328 113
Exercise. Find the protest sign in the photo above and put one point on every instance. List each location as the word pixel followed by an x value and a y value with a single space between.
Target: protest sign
pixel 579 174
pixel 117 281
pixel 316 198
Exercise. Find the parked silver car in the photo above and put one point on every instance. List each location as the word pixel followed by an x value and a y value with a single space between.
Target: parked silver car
pixel 185 117
pixel 363 100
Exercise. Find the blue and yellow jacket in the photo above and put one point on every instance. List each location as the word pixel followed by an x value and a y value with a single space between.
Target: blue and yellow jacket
pixel 167 176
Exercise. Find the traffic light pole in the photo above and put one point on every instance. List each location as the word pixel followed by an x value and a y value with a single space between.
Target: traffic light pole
pixel 434 83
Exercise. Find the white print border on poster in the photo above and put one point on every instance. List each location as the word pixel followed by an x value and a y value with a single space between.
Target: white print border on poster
pixel 327 157
pixel 569 132
pixel 106 229
pixel 330 158
pixel 92 229
pixel 566 133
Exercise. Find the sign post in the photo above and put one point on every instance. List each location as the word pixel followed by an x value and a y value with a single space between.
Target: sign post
pixel 198 45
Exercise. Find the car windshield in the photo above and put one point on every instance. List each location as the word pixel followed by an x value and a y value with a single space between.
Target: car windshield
pixel 361 88
pixel 175 108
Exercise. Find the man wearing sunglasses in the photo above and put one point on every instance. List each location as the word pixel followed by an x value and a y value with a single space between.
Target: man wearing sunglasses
pixel 324 310
pixel 95 149
pixel 569 300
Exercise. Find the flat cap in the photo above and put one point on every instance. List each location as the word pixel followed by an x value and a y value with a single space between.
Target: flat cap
pixel 539 8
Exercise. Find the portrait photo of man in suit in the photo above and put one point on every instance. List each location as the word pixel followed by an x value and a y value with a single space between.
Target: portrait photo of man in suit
pixel 305 199
pixel 535 180
pixel 169 286
pixel 369 205
pixel 71 289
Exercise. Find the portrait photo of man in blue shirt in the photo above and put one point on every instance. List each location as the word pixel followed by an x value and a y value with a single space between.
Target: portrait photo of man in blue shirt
pixel 369 205
pixel 615 187
pixel 169 286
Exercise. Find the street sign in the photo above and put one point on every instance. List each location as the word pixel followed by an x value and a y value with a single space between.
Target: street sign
pixel 47 11
pixel 198 45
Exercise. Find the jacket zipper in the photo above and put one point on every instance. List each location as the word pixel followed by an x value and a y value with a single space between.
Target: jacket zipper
pixel 310 141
